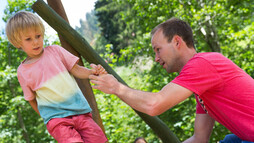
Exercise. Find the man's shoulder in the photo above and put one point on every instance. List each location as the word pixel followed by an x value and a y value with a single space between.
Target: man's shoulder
pixel 210 60
pixel 209 55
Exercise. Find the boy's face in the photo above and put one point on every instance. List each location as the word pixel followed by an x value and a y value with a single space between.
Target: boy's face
pixel 32 43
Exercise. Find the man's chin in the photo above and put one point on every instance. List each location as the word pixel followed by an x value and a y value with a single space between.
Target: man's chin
pixel 169 70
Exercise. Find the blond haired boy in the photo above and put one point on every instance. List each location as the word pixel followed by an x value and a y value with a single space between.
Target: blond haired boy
pixel 48 85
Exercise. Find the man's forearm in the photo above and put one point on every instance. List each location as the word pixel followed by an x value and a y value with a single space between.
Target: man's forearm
pixel 140 100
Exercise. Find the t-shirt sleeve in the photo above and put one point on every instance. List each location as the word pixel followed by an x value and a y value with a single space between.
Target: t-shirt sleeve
pixel 199 76
pixel 68 59
pixel 27 91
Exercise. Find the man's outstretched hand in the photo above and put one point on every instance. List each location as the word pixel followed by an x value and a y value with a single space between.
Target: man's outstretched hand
pixel 107 83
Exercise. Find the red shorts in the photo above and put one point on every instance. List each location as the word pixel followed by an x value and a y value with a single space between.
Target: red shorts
pixel 77 128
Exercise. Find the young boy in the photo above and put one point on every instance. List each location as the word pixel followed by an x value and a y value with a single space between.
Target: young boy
pixel 45 78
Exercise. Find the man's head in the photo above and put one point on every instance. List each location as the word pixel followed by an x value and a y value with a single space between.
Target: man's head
pixel 172 42
pixel 173 27
pixel 21 23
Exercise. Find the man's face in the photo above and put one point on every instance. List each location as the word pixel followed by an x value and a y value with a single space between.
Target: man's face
pixel 165 52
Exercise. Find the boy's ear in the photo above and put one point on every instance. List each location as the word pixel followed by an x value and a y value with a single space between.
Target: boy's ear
pixel 18 46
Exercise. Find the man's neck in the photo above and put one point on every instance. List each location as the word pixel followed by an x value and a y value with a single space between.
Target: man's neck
pixel 187 55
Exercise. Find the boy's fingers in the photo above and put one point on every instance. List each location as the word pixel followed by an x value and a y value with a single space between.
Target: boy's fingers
pixel 100 67
pixel 93 71
pixel 92 65
pixel 102 70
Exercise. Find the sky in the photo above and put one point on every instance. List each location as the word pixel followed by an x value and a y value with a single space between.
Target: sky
pixel 75 11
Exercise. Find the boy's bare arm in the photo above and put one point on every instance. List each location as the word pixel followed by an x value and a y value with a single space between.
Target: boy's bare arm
pixel 83 73
pixel 80 71
pixel 33 103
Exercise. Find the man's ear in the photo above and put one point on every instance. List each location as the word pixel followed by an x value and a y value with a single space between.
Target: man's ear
pixel 177 40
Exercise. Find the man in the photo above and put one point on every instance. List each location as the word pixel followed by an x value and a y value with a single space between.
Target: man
pixel 224 92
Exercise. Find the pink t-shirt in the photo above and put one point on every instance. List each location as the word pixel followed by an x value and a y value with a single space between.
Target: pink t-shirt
pixel 223 90
pixel 49 81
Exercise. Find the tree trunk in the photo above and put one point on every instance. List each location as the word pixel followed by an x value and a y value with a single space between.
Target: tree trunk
pixel 84 84
pixel 82 46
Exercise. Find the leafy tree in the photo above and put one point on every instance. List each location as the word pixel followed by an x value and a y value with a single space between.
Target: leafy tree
pixel 89 28
pixel 111 24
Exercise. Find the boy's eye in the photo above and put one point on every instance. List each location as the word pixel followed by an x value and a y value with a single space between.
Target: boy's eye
pixel 38 36
pixel 28 39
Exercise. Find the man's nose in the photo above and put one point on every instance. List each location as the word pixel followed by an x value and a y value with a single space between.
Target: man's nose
pixel 157 58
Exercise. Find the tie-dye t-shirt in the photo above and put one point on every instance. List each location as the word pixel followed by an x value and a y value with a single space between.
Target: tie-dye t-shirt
pixel 48 80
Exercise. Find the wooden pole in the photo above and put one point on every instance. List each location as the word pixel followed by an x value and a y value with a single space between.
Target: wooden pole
pixel 82 46
pixel 84 84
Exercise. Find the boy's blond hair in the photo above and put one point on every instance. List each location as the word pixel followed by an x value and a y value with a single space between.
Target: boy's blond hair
pixel 21 22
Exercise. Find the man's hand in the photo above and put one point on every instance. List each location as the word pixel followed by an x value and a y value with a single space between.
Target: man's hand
pixel 107 83
pixel 97 69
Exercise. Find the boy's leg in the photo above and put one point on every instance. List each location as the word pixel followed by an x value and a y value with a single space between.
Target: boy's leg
pixel 89 130
pixel 62 129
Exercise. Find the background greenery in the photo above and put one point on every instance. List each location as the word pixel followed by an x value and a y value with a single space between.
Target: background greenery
pixel 119 30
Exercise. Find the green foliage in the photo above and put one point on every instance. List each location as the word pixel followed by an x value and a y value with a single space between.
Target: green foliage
pixel 89 27
pixel 223 25
pixel 17 5
pixel 111 24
